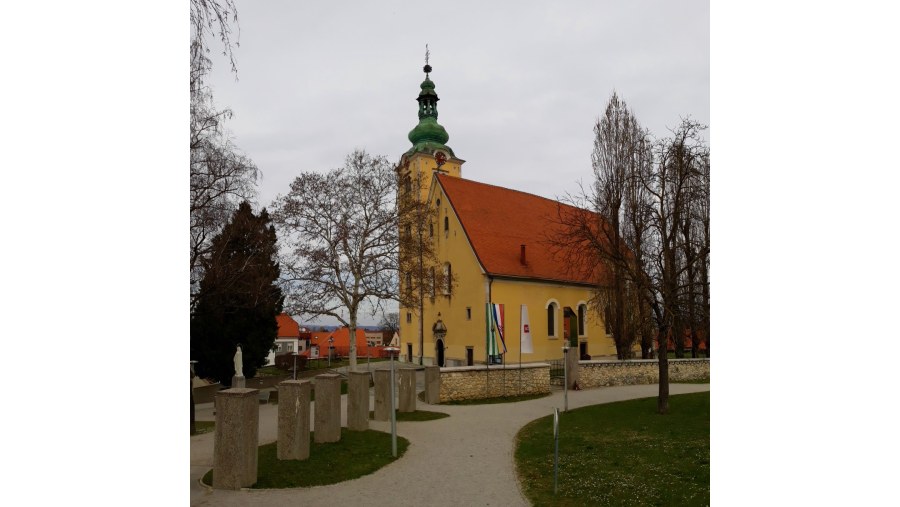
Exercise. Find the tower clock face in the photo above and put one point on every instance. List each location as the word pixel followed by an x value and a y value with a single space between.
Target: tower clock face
pixel 440 157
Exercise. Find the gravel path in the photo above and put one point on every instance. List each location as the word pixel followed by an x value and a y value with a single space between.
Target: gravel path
pixel 464 459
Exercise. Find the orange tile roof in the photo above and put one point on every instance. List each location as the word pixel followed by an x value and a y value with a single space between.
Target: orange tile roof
pixel 341 339
pixel 498 220
pixel 287 326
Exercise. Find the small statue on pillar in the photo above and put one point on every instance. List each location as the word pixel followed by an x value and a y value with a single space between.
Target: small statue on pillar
pixel 238 362
pixel 238 379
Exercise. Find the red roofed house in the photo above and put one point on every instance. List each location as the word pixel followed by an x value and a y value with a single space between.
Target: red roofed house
pixel 340 339
pixel 291 338
pixel 491 241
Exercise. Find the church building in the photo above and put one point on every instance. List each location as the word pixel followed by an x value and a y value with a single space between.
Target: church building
pixel 490 247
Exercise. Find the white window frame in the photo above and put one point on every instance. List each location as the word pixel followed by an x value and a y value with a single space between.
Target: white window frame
pixel 578 313
pixel 550 302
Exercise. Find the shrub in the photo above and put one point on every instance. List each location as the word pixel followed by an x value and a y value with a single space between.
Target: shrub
pixel 286 362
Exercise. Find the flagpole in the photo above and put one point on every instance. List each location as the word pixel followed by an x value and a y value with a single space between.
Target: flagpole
pixel 520 350
pixel 487 350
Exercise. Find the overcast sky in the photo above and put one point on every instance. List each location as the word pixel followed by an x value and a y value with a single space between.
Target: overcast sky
pixel 521 83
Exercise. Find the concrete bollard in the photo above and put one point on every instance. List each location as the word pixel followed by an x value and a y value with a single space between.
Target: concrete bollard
pixel 432 385
pixel 382 395
pixel 358 401
pixel 407 390
pixel 328 408
pixel 237 438
pixel 293 419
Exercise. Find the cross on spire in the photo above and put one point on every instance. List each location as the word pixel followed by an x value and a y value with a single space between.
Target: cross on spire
pixel 427 67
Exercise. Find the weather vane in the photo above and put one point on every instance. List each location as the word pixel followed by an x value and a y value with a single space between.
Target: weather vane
pixel 427 67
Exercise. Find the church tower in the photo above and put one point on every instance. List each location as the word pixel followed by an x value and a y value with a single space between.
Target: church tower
pixel 429 152
pixel 420 271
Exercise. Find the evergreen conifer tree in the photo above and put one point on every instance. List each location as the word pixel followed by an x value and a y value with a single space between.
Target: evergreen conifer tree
pixel 238 298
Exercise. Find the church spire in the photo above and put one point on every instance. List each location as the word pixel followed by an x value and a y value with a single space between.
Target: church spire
pixel 428 136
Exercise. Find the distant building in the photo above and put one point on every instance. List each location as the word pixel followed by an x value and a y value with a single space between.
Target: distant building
pixel 291 338
pixel 340 339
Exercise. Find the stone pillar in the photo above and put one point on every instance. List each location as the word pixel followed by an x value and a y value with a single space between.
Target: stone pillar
pixel 328 408
pixel 382 395
pixel 572 365
pixel 237 438
pixel 407 390
pixel 238 381
pixel 293 419
pixel 432 385
pixel 358 401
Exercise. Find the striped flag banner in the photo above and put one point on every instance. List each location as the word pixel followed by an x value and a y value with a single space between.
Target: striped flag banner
pixel 490 342
pixel 525 332
pixel 499 321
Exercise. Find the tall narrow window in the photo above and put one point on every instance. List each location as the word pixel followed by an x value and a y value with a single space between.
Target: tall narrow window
pixel 446 224
pixel 408 318
pixel 468 313
pixel 582 313
pixel 430 229
pixel 551 319
pixel 433 284
pixel 448 278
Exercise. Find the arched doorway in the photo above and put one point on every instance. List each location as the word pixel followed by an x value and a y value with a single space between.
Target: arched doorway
pixel 439 352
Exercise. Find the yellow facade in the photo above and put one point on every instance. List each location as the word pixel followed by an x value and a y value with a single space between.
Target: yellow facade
pixel 462 311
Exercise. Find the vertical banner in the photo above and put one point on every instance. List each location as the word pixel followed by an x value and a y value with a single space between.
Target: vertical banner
pixel 490 345
pixel 525 332
pixel 499 321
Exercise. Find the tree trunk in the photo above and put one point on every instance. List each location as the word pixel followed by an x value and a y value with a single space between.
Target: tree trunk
pixel 704 279
pixel 422 299
pixel 352 341
pixel 678 337
pixel 662 401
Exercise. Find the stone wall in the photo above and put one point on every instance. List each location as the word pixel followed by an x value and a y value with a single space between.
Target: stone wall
pixel 479 382
pixel 639 371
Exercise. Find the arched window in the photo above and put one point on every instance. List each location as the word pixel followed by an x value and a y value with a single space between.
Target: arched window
pixel 582 315
pixel 552 310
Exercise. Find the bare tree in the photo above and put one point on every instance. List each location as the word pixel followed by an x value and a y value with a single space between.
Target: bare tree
pixel 390 323
pixel 618 144
pixel 221 177
pixel 642 231
pixel 339 231
pixel 210 18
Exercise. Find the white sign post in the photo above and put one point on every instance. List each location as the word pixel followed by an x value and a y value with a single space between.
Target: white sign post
pixel 392 351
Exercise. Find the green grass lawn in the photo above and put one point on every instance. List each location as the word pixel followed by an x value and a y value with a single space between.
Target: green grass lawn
pixel 204 427
pixel 620 454
pixel 358 453
pixel 418 415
